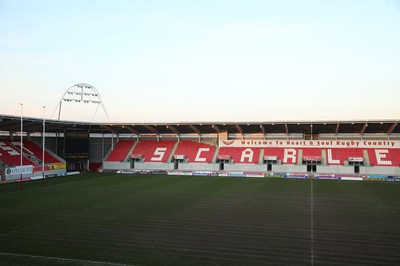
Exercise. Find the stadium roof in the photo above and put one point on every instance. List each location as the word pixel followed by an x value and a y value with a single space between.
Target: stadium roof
pixel 34 125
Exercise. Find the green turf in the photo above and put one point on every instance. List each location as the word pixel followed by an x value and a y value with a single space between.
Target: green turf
pixel 95 219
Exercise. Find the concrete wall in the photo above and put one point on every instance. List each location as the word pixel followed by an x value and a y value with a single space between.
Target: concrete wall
pixel 153 166
pixel 335 169
pixel 292 168
pixel 116 165
pixel 263 168
pixel 199 166
pixel 376 170
pixel 245 167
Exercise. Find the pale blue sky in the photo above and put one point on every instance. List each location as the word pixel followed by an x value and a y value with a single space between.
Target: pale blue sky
pixel 170 61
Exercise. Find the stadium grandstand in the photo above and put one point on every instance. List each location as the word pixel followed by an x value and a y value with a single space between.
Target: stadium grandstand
pixel 356 148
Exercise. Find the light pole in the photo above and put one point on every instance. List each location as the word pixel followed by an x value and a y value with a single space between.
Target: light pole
pixel 43 143
pixel 20 183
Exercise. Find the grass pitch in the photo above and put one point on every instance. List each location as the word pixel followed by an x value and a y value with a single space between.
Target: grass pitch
pixel 107 219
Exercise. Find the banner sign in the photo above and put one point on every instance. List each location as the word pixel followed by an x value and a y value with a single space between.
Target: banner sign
pixel 133 171
pixel 39 168
pixel 136 156
pixel 356 159
pixel 376 178
pixel 224 157
pixel 180 173
pixel 351 178
pixel 270 158
pixel 311 143
pixel 394 178
pixel 327 176
pixel 299 176
pixel 237 174
pixel 205 173
pixel 20 170
pixel 58 166
pixel 255 174
pixel 312 158
pixel 291 175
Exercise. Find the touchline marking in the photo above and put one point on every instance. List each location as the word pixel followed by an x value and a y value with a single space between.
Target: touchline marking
pixel 64 259
pixel 312 224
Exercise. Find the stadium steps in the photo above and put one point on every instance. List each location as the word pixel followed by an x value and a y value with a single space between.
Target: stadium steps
pixel 50 157
pixel 173 151
pixel 130 151
pixel 366 158
pixel 215 155
pixel 299 156
pixel 323 157
pixel 55 156
pixel 30 157
pixel 10 154
pixel 107 154
pixel 261 157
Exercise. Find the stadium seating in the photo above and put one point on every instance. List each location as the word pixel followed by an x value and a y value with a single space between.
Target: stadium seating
pixel 196 152
pixel 11 155
pixel 34 149
pixel 120 151
pixel 338 156
pixel 384 157
pixel 313 152
pixel 154 151
pixel 241 155
pixel 290 158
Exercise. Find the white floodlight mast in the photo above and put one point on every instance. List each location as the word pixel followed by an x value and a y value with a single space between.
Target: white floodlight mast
pixel 79 90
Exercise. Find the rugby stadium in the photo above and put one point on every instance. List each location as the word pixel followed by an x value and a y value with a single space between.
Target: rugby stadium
pixel 199 193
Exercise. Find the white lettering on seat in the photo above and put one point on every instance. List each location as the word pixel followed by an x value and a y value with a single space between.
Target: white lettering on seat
pixel 381 154
pixel 160 152
pixel 198 158
pixel 247 153
pixel 330 159
pixel 290 154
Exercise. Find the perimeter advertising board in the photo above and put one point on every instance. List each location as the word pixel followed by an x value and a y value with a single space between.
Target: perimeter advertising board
pixel 15 173
pixel 19 170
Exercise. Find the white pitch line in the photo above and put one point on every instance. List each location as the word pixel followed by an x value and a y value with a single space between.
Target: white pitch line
pixel 64 259
pixel 312 224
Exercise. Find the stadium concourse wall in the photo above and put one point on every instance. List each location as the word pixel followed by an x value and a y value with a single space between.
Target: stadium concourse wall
pixel 161 166
pixel 116 165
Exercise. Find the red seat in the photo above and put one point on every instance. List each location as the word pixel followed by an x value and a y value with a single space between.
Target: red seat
pixel 312 152
pixel 384 157
pixel 241 155
pixel 196 152
pixel 290 158
pixel 120 151
pixel 37 151
pixel 154 151
pixel 11 155
pixel 337 156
